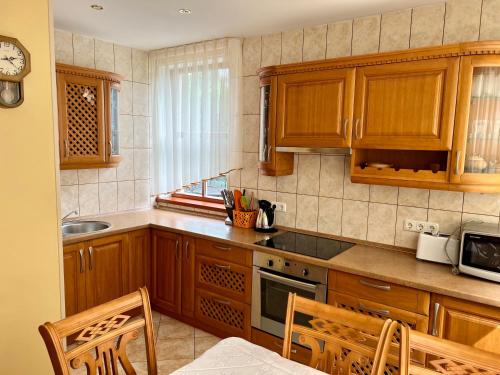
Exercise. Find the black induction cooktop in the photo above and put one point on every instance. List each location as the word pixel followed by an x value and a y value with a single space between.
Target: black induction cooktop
pixel 313 246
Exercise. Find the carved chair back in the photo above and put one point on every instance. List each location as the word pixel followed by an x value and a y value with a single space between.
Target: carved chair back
pixel 102 334
pixel 341 341
pixel 444 356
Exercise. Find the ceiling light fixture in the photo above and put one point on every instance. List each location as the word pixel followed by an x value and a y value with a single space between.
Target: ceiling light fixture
pixel 97 7
pixel 184 11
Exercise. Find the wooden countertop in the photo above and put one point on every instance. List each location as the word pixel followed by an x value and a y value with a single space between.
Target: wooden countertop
pixel 379 263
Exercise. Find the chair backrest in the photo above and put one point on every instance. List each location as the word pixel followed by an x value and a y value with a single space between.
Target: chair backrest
pixel 444 356
pixel 341 341
pixel 102 334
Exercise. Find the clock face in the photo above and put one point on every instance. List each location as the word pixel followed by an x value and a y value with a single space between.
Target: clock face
pixel 12 59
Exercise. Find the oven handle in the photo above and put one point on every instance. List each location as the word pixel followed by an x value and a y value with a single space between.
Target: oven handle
pixel 289 282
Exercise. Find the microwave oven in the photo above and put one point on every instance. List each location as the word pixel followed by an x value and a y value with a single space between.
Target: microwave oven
pixel 480 251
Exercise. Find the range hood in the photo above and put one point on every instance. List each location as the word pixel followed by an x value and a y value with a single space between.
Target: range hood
pixel 317 150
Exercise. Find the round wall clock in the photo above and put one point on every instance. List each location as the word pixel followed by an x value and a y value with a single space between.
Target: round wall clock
pixel 14 66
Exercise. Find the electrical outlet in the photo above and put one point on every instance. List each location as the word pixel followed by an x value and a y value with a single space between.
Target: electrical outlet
pixel 280 206
pixel 421 226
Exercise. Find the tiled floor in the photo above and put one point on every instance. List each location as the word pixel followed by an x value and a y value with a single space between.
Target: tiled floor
pixel 177 344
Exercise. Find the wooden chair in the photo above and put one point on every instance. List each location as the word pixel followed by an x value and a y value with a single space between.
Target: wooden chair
pixel 103 333
pixel 341 341
pixel 444 356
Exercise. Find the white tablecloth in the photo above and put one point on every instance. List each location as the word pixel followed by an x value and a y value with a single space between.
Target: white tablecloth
pixel 240 357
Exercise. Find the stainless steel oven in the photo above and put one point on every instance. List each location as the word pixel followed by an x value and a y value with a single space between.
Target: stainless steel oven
pixel 273 278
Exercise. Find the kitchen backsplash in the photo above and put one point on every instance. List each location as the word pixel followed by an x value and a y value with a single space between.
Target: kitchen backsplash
pixel 104 190
pixel 319 195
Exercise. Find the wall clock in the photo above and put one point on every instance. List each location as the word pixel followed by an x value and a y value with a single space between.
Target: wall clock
pixel 14 66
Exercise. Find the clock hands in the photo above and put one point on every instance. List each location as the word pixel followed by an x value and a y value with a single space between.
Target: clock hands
pixel 9 59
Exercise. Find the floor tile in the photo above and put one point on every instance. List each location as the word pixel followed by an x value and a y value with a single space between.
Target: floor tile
pixel 201 333
pixel 170 365
pixel 171 329
pixel 182 348
pixel 202 344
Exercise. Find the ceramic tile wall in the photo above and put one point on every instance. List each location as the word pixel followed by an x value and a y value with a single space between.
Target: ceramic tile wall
pixel 319 195
pixel 105 190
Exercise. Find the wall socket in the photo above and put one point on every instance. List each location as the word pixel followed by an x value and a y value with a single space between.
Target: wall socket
pixel 280 206
pixel 421 226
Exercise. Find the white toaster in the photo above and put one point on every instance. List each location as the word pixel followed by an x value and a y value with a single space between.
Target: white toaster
pixel 432 248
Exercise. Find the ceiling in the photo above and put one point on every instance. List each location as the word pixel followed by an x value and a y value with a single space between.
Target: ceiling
pixel 151 24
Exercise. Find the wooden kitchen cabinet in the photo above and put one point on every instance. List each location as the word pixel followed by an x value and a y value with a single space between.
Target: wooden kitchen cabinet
pixel 314 109
pixel 466 323
pixel 139 260
pixel 188 276
pixel 74 259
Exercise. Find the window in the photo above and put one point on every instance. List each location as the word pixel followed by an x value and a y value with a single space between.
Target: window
pixel 207 189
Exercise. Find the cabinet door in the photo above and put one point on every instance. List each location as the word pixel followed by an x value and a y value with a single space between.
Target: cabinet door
pixel 74 278
pixel 315 109
pixel 408 106
pixel 466 323
pixel 167 271
pixel 82 130
pixel 139 260
pixel 476 146
pixel 106 271
pixel 188 275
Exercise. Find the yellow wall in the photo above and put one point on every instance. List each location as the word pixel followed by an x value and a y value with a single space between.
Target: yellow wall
pixel 29 235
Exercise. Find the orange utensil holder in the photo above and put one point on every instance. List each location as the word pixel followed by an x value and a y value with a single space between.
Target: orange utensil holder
pixel 245 219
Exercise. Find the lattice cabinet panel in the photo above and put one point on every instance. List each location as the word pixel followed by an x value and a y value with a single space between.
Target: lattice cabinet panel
pixel 228 279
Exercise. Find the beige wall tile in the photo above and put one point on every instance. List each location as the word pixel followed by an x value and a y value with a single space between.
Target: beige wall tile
pixel 330 216
pixel 288 184
pixel 395 30
pixel 354 219
pixel 123 61
pixel 83 51
pixel 405 238
pixel 88 198
pixel 125 98
pixel 358 192
pixel 249 173
pixel 490 20
pixel 141 164
pixel 383 194
pixel 467 217
pixel 140 66
pixel 291 46
pixel 69 177
pixel 266 195
pixel 251 55
pixel 462 21
pixel 87 176
pixel 446 200
pixel 107 174
pixel 267 182
pixel 308 174
pixel 413 197
pixel 481 203
pixel 314 43
pixel 251 95
pixel 125 195
pixel 125 170
pixel 126 135
pixel 331 182
pixel 140 101
pixel 250 133
pixel 448 221
pixel 63 46
pixel 382 223
pixel 235 179
pixel 427 26
pixel 271 49
pixel 339 39
pixel 141 132
pixel 108 197
pixel 141 194
pixel 365 35
pixel 307 209
pixel 104 56
pixel 69 200
pixel 287 218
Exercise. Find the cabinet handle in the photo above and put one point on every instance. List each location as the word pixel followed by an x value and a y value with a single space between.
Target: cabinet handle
pixel 457 162
pixel 186 249
pixel 66 147
pixel 82 262
pixel 269 147
pixel 177 249
pixel 356 129
pixel 376 286
pixel 222 267
pixel 434 331
pixel 374 311
pixel 279 345
pixel 91 256
pixel 222 302
pixel 223 248
pixel 110 148
pixel 346 121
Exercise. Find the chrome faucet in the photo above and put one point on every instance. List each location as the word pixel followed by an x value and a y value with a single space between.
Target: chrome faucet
pixel 68 214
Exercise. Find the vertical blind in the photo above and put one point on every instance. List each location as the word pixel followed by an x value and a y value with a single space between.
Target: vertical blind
pixel 196 105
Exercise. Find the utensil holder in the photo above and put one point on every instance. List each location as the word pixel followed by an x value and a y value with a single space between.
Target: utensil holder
pixel 244 219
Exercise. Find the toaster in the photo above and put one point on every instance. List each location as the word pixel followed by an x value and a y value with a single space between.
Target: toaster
pixel 432 248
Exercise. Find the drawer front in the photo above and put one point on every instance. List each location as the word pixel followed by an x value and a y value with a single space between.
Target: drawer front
pixel 222 251
pixel 380 291
pixel 298 353
pixel 224 278
pixel 229 317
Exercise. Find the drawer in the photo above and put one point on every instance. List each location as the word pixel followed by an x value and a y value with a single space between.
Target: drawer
pixel 298 353
pixel 225 252
pixel 224 278
pixel 382 292
pixel 227 316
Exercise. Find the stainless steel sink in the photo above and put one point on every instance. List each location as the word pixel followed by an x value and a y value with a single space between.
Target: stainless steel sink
pixel 79 227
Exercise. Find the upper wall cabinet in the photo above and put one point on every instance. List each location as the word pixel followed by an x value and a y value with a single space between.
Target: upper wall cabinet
pixel 315 109
pixel 88 117
pixel 406 106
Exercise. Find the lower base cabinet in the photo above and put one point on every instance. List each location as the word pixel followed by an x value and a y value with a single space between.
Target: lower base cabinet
pixel 298 353
pixel 139 260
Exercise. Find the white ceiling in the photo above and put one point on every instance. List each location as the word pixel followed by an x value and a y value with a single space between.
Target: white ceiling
pixel 151 24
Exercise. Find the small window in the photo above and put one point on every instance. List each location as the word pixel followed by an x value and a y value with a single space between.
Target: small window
pixel 206 189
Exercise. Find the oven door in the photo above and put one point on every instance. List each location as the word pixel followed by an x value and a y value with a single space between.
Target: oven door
pixel 270 298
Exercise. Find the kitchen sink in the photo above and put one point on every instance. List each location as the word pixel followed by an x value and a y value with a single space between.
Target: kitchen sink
pixel 79 227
